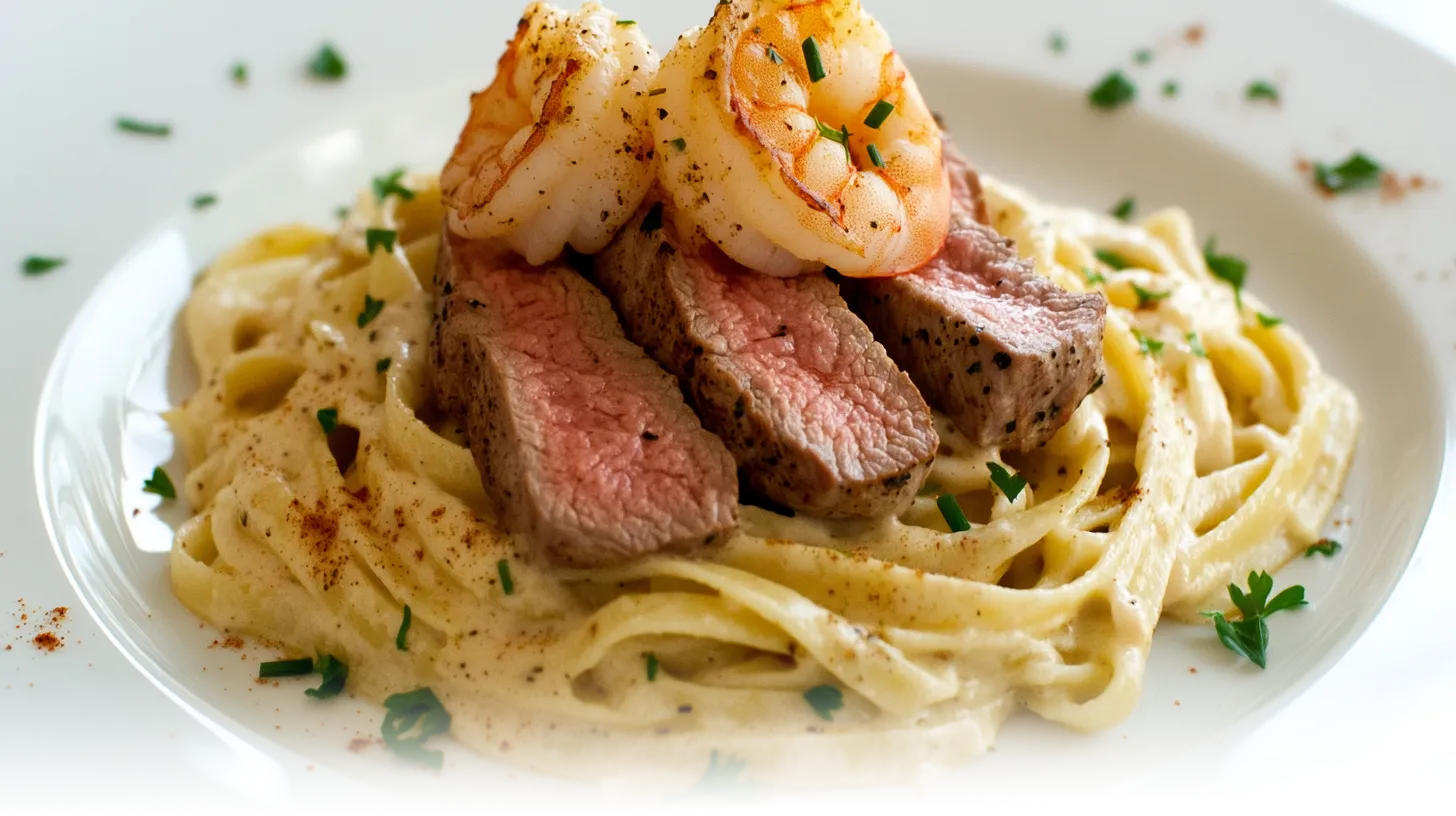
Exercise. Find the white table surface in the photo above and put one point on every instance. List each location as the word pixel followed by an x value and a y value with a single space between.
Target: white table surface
pixel 1389 756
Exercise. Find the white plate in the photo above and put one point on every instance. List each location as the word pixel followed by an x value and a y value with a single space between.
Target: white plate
pixel 1369 285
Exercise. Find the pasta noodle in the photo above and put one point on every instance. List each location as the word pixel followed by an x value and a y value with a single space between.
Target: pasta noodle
pixel 1218 453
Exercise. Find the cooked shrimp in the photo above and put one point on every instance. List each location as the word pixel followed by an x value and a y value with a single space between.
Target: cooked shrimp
pixel 557 150
pixel 788 168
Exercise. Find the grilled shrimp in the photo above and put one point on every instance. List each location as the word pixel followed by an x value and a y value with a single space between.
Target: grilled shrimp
pixel 792 136
pixel 557 150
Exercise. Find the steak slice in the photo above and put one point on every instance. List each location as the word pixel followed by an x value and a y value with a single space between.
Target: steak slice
pixel 585 443
pixel 1004 352
pixel 812 408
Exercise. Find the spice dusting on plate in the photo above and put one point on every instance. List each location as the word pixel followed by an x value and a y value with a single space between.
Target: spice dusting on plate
pixel 48 642
pixel 1194 34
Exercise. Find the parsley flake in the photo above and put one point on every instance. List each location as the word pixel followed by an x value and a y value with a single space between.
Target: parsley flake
pixel 1146 296
pixel 1195 345
pixel 410 719
pixel 130 125
pixel 160 484
pixel 285 668
pixel 1355 173
pixel 1057 42
pixel 389 184
pixel 400 639
pixel 240 73
pixel 1268 321
pixel 372 308
pixel 1261 89
pixel 1010 484
pixel 1170 88
pixel 1325 546
pixel 203 200
pixel 382 365
pixel 328 64
pixel 1249 636
pixel 1124 209
pixel 1114 91
pixel 376 238
pixel 651 660
pixel 1142 56
pixel 503 568
pixel 328 419
pixel 1146 344
pixel 1093 277
pixel 954 516
pixel 1112 259
pixel 626 22
pixel 40 264
pixel 719 781
pixel 1226 268
pixel 825 700
pixel 680 143
pixel 334 674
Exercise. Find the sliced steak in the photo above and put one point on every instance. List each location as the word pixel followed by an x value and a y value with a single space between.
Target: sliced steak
pixel 812 408
pixel 585 443
pixel 1004 352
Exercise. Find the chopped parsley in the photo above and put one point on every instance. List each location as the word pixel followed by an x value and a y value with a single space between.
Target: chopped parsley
pixel 410 719
pixel 285 668
pixel 774 56
pixel 1112 259
pixel 626 22
pixel 1114 91
pixel 203 200
pixel 328 64
pixel 1357 172
pixel 40 264
pixel 1268 321
pixel 1142 56
pixel 129 125
pixel 825 700
pixel 372 308
pixel 879 113
pixel 341 213
pixel 1057 42
pixel 719 781
pixel 875 158
pixel 1093 277
pixel 389 184
pixel 813 61
pixel 328 419
pixel 1170 88
pixel 503 568
pixel 1249 636
pixel 1146 344
pixel 240 73
pixel 400 639
pixel 651 660
pixel 160 484
pixel 1010 484
pixel 334 674
pixel 955 517
pixel 375 238
pixel 1195 345
pixel 1261 89
pixel 1124 209
pixel 1146 296
pixel 1226 268
pixel 1325 546
pixel 382 365
pixel 652 222
pixel 680 143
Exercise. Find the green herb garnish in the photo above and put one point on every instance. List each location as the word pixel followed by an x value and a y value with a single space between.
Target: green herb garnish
pixel 1111 258
pixel 372 308
pixel 503 567
pixel 1170 88
pixel 1261 89
pixel 1357 172
pixel 1142 56
pixel 203 200
pixel 652 222
pixel 721 781
pixel 240 73
pixel 1146 344
pixel 328 419
pixel 825 700
pixel 334 674
pixel 832 134
pixel 1124 209
pixel 1112 92
pixel 875 158
pixel 1057 42
pixel 813 61
pixel 1010 484
pixel 626 22
pixel 160 484
pixel 680 143
pixel 143 128
pixel 1226 268
pixel 400 641
pixel 389 184
pixel 1195 345
pixel 1249 636
pixel 1093 277
pixel 1325 546
pixel 40 264
pixel 375 238
pixel 955 517
pixel 383 364
pixel 402 713
pixel 328 64
pixel 285 668
pixel 774 56
pixel 1146 296
pixel 1268 321
pixel 879 113
pixel 651 659
pixel 341 212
